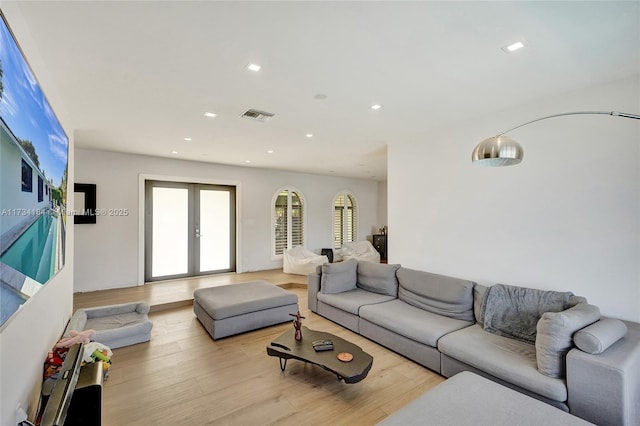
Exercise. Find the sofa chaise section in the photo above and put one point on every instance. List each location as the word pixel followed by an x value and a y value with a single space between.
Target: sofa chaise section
pixel 504 360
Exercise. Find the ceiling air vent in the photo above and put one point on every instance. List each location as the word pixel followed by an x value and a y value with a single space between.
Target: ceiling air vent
pixel 254 114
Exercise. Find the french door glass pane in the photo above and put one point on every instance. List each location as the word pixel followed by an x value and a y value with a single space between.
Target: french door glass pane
pixel 215 243
pixel 170 231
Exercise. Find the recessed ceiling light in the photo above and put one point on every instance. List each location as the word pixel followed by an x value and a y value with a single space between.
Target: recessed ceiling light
pixel 270 151
pixel 254 67
pixel 247 161
pixel 309 135
pixel 513 47
pixel 210 114
pixel 376 106
pixel 174 152
pixel 188 139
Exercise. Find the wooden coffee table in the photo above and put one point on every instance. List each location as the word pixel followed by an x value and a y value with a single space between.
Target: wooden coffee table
pixel 287 347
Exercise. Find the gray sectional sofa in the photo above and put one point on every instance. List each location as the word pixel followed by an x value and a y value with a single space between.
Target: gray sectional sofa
pixel 574 359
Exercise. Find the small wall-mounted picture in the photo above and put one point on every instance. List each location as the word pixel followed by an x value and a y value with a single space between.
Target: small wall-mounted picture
pixel 84 201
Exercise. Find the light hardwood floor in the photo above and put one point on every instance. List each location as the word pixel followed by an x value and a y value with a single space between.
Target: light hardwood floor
pixel 183 377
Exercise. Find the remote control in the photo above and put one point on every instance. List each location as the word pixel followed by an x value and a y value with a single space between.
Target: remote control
pixel 319 348
pixel 322 345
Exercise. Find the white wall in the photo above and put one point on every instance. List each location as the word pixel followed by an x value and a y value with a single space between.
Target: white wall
pixel 26 337
pixel 107 252
pixel 382 204
pixel 569 222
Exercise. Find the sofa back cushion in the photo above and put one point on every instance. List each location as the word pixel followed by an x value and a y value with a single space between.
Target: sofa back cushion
pixel 378 278
pixel 554 336
pixel 339 277
pixel 447 296
pixel 479 291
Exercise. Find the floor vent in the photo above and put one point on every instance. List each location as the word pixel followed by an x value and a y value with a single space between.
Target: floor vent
pixel 254 114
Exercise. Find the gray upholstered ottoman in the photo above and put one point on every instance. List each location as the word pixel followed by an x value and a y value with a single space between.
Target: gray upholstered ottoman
pixel 236 308
pixel 468 399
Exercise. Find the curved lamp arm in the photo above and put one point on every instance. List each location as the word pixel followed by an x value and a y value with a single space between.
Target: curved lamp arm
pixel 501 150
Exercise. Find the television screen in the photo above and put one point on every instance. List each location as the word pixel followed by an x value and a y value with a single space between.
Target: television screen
pixel 33 181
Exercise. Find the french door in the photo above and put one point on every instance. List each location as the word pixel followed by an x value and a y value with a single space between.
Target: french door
pixel 190 229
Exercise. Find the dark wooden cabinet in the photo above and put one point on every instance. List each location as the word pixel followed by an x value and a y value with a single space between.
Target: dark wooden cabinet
pixel 380 244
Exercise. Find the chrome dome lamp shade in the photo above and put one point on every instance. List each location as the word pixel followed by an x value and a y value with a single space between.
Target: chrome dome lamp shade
pixel 501 150
pixel 497 151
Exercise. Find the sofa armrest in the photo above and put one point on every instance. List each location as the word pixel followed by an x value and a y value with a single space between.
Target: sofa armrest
pixel 605 389
pixel 313 288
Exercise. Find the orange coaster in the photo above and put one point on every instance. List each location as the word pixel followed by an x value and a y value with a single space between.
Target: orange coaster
pixel 345 356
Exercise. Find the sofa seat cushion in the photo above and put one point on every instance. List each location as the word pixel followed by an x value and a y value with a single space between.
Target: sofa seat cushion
pixel 116 321
pixel 351 301
pixel 411 322
pixel 508 359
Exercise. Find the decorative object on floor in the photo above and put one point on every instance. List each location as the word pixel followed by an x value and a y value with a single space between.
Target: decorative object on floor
pixel 301 261
pixel 297 324
pixel 360 250
pixel 285 347
pixel 501 150
pixel 236 308
pixel 115 325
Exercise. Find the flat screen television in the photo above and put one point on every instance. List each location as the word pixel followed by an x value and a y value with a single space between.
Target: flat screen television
pixel 33 181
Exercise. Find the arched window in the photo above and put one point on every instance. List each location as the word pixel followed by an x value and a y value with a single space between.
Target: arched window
pixel 345 226
pixel 288 220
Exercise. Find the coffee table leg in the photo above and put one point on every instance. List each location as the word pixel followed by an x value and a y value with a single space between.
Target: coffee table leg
pixel 283 365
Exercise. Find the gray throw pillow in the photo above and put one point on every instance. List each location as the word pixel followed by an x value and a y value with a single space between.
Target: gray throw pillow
pixel 597 338
pixel 339 277
pixel 378 278
pixel 554 336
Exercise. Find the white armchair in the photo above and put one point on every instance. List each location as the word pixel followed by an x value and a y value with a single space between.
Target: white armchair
pixel 360 250
pixel 299 260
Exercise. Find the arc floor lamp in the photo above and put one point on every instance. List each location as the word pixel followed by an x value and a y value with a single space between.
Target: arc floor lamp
pixel 501 150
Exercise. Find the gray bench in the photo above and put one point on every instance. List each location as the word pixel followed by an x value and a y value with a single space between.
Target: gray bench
pixel 237 308
pixel 468 399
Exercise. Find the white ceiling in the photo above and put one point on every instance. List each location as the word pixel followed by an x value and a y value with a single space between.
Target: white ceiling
pixel 138 76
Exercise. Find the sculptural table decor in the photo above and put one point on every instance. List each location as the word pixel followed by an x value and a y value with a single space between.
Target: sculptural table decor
pixel 297 324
